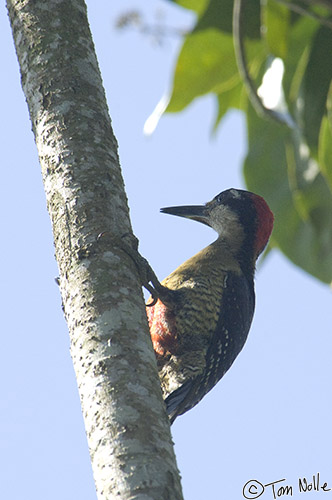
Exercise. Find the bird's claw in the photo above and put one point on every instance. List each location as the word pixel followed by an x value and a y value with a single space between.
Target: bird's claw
pixel 129 244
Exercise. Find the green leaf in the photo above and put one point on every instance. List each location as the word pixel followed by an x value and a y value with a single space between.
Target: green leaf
pixel 297 193
pixel 196 5
pixel 325 150
pixel 276 28
pixel 235 97
pixel 207 64
pixel 295 62
pixel 220 15
pixel 317 81
pixel 329 105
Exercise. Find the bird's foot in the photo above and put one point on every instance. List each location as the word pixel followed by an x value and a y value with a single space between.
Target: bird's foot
pixel 129 244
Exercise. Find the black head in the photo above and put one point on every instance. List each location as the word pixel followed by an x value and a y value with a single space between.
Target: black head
pixel 241 218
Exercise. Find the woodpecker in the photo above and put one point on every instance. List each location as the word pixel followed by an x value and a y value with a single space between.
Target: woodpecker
pixel 201 319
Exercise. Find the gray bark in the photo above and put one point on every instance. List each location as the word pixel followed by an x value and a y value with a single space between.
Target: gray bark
pixel 126 425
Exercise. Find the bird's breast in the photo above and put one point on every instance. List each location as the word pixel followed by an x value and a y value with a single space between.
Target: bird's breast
pixel 186 324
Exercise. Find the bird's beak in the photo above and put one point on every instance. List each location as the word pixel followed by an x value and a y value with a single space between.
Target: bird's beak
pixel 194 212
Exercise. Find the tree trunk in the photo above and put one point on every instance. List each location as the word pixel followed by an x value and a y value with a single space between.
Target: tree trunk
pixel 126 424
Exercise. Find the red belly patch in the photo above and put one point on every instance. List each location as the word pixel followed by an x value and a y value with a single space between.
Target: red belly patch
pixel 163 331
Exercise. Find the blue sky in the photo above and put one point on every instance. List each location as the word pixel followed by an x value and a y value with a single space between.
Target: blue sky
pixel 269 417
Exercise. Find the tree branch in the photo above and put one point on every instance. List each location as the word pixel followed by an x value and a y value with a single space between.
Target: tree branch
pixel 125 419
pixel 240 54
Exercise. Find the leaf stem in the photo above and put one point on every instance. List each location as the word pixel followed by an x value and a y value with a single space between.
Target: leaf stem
pixel 240 55
pixel 304 12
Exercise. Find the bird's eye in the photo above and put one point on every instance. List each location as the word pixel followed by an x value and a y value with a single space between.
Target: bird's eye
pixel 219 198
